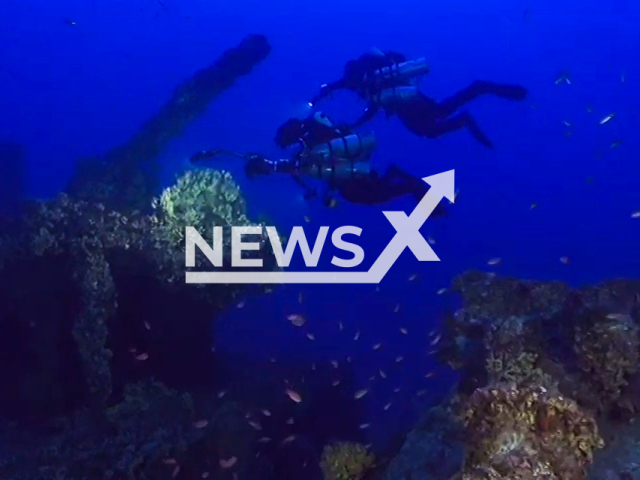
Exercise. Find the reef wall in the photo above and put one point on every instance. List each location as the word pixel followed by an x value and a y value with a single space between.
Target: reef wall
pixel 548 373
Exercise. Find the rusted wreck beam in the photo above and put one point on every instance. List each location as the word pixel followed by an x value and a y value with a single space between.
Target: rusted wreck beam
pixel 127 177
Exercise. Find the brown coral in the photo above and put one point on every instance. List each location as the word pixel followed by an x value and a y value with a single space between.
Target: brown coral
pixel 345 461
pixel 527 433
pixel 608 348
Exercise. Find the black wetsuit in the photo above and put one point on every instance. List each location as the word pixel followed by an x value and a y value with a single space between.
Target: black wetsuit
pixel 423 116
pixel 368 188
pixel 374 189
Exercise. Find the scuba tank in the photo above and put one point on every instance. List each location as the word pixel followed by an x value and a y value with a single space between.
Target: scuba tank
pixel 339 169
pixel 399 72
pixel 349 147
pixel 395 96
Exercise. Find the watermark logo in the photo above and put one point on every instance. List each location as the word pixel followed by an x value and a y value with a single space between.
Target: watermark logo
pixel 407 236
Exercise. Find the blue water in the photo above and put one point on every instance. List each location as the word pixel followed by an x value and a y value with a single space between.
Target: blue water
pixel 71 92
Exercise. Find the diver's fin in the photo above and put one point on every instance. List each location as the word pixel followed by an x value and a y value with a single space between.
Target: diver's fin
pixel 510 92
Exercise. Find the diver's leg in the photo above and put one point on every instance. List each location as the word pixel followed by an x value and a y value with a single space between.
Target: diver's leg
pixel 397 183
pixel 457 122
pixel 478 88
pixel 369 189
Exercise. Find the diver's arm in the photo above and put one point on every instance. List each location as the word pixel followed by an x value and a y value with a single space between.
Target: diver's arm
pixel 204 155
pixel 309 192
pixel 327 89
pixel 368 115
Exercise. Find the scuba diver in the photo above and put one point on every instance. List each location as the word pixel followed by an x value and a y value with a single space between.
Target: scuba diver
pixel 388 81
pixel 335 155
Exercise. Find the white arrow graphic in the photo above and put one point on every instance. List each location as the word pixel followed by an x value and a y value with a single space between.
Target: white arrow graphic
pixel 407 236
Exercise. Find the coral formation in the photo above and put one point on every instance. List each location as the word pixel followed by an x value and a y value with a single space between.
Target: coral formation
pixel 545 368
pixel 201 199
pixel 345 461
pixel 609 351
pixel 134 440
pixel 527 433
pixel 100 248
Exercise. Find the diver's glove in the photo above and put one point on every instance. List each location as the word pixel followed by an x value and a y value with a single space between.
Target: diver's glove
pixel 325 90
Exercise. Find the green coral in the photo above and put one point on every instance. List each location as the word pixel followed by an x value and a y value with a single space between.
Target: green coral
pixel 202 199
pixel 345 461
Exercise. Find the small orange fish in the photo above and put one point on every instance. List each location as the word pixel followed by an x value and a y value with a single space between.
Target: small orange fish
pixel 357 335
pixel 293 395
pixel 387 406
pixel 403 330
pixel 230 462
pixel 412 277
pixel 442 291
pixel 382 374
pixel 435 340
pixel 311 336
pixel 565 260
pixel 377 346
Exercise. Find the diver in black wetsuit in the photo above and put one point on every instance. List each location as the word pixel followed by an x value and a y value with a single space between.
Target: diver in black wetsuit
pixel 386 80
pixel 335 155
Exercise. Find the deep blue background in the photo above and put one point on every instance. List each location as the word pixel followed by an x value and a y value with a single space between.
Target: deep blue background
pixel 69 92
